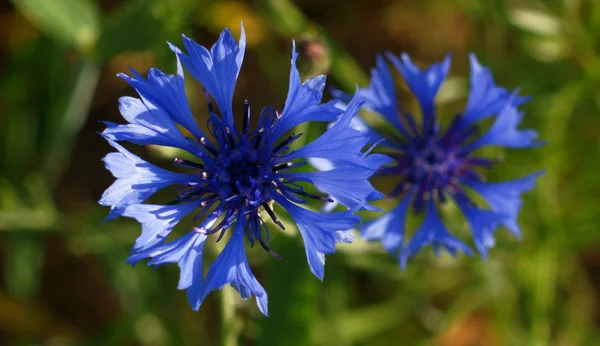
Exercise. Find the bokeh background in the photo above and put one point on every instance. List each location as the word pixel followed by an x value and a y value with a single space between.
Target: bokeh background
pixel 63 280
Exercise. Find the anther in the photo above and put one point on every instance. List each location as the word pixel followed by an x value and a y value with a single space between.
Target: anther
pixel 208 102
pixel 285 142
pixel 246 117
pixel 208 199
pixel 186 163
pixel 258 138
pixel 207 146
pixel 222 227
pixel 230 137
pixel 313 196
pixel 264 246
pixel 272 215
pixel 282 166
pixel 199 230
pixel 205 175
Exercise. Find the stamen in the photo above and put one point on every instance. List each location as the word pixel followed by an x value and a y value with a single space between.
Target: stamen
pixel 205 208
pixel 464 134
pixel 191 193
pixel 285 142
pixel 282 166
pixel 313 196
pixel 199 230
pixel 214 229
pixel 208 199
pixel 449 189
pixel 411 123
pixel 258 138
pixel 223 229
pixel 442 196
pixel 272 215
pixel 205 175
pixel 479 161
pixel 211 108
pixel 208 147
pixel 451 129
pixel 230 137
pixel 187 164
pixel 246 117
pixel 262 243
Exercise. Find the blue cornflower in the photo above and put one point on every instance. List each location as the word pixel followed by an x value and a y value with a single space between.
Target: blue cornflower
pixel 433 165
pixel 237 173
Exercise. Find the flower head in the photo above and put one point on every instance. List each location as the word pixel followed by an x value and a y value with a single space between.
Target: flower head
pixel 434 165
pixel 237 172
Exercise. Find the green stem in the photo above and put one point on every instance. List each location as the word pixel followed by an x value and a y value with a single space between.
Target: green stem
pixel 230 327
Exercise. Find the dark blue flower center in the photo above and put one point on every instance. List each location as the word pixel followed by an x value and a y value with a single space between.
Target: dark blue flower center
pixel 239 174
pixel 243 170
pixel 431 164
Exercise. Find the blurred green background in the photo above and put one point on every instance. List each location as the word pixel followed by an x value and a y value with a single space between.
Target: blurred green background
pixel 63 280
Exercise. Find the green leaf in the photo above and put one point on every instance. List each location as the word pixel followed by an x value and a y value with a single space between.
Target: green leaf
pixel 75 22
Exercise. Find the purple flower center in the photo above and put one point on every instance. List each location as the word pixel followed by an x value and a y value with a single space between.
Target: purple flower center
pixel 432 164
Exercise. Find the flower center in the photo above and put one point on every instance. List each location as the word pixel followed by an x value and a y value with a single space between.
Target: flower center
pixel 240 173
pixel 243 171
pixel 432 165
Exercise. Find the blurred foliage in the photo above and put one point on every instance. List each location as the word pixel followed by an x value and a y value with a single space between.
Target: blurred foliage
pixel 63 280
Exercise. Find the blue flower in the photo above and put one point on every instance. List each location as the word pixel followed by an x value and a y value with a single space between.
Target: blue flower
pixel 433 165
pixel 237 175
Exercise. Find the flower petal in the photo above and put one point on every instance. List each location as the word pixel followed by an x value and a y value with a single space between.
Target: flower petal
pixel 347 184
pixel 380 95
pixel 231 267
pixel 148 126
pixel 424 84
pixel 485 97
pixel 505 198
pixel 187 253
pixel 167 93
pixel 389 228
pixel 319 231
pixel 483 225
pixel 340 143
pixel 303 101
pixel 217 69
pixel 136 180
pixel 432 232
pixel 157 221
pixel 504 131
